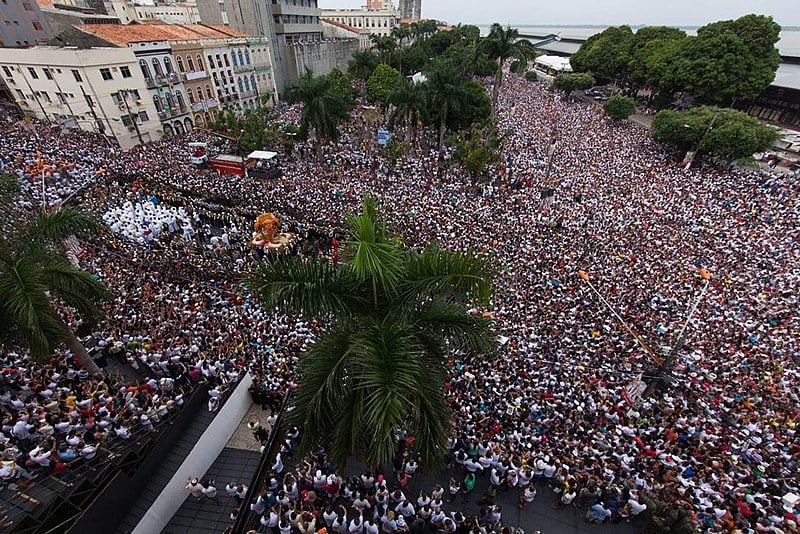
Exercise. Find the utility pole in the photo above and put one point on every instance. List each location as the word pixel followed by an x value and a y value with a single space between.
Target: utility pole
pixel 717 111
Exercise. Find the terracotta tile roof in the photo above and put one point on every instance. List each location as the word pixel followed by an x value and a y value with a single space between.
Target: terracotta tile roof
pixel 133 33
pixel 341 25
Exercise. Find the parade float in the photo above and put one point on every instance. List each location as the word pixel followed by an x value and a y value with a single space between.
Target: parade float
pixel 266 235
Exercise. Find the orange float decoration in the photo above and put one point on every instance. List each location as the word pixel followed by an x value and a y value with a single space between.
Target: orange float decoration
pixel 265 233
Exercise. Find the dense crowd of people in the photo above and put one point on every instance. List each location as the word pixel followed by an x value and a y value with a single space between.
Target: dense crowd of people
pixel 557 405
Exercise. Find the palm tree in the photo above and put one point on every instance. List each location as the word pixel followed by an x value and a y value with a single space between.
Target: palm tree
pixel 503 44
pixel 410 103
pixel 447 92
pixel 401 33
pixel 393 316
pixel 36 278
pixel 361 64
pixel 384 45
pixel 323 108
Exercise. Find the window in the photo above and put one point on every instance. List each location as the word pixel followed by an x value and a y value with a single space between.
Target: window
pixel 27 6
pixel 33 74
pixel 125 71
pixel 168 66
pixel 143 116
pixel 210 62
pixel 209 94
pixel 6 71
pixel 89 101
pixel 37 25
pixel 179 61
pixel 47 73
pixel 61 98
pixel 190 94
pixel 145 69
pixel 77 75
pixel 20 94
pixel 157 67
pixel 199 62
pixel 126 120
pixel 106 74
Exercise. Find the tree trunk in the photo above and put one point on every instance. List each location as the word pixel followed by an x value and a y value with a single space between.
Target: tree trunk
pixel 76 347
pixel 442 126
pixel 498 80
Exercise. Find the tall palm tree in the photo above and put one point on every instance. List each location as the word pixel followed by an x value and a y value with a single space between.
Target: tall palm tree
pixel 384 45
pixel 503 44
pixel 401 33
pixel 447 92
pixel 393 318
pixel 36 278
pixel 410 103
pixel 323 108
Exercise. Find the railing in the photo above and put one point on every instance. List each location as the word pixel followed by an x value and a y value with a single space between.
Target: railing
pixel 162 115
pixel 150 83
pixel 246 94
pixel 243 68
pixel 245 515
pixel 169 78
pixel 208 104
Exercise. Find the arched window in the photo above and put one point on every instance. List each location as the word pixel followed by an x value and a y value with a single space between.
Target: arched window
pixel 241 89
pixel 157 67
pixel 145 69
pixel 168 65
pixel 179 98
pixel 190 95
pixel 200 62
pixel 190 62
pixel 241 58
pixel 179 60
pixel 233 57
pixel 209 94
pixel 158 103
pixel 210 61
pixel 253 81
pixel 247 56
pixel 170 101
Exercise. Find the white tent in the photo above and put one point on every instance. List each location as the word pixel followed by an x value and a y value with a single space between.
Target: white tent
pixel 261 154
pixel 556 63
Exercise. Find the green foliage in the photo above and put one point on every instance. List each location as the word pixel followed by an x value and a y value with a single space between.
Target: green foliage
pixel 730 60
pixel 732 135
pixel 361 64
pixel 410 103
pixel 395 149
pixel 323 108
pixel 477 149
pixel 477 107
pixel 501 45
pixel 393 316
pixel 448 94
pixel 606 54
pixel 384 45
pixel 651 50
pixel 342 86
pixel 619 107
pixel 383 82
pixel 531 76
pixel 572 81
pixel 36 278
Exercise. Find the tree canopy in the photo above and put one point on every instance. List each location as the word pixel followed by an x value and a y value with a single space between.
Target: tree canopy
pixel 725 134
pixel 572 81
pixel 383 83
pixel 619 107
pixel 393 317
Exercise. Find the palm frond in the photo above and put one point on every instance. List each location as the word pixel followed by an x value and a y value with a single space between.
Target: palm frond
pixel 24 303
pixel 435 272
pixel 452 323
pixel 74 287
pixel 312 287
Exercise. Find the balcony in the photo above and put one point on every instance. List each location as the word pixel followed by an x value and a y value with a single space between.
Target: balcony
pixel 163 115
pixel 196 75
pixel 150 83
pixel 201 106
pixel 169 78
pixel 243 68
pixel 246 94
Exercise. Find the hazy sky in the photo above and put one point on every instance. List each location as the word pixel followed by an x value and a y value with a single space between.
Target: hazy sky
pixel 610 12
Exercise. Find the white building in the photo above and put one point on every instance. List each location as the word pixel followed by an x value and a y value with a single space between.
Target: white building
pixel 376 21
pixel 128 11
pixel 95 89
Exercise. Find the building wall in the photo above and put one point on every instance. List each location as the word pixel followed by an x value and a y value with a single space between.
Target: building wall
pixel 333 31
pixel 411 9
pixel 22 24
pixel 321 58
pixel 99 89
pixel 165 86
pixel 201 95
pixel 376 22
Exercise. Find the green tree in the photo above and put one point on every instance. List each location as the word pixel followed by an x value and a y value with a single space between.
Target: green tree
pixel 384 45
pixel 394 150
pixel 448 93
pixel 725 134
pixel 619 107
pixel 361 64
pixel 400 34
pixel 572 81
pixel 477 149
pixel 342 86
pixel 730 60
pixel 383 83
pixel 646 43
pixel 605 54
pixel 501 45
pixel 37 279
pixel 410 103
pixel 477 107
pixel 393 317
pixel 323 108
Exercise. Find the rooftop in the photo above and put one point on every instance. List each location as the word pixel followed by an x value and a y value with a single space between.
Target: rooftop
pixel 788 76
pixel 135 33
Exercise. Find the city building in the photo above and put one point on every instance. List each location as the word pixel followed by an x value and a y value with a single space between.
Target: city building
pixel 337 30
pixel 94 89
pixel 128 11
pixel 411 9
pixel 293 28
pixel 376 21
pixel 22 24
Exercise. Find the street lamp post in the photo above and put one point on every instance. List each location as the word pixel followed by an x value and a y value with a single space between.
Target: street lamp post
pixel 666 363
pixel 710 127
